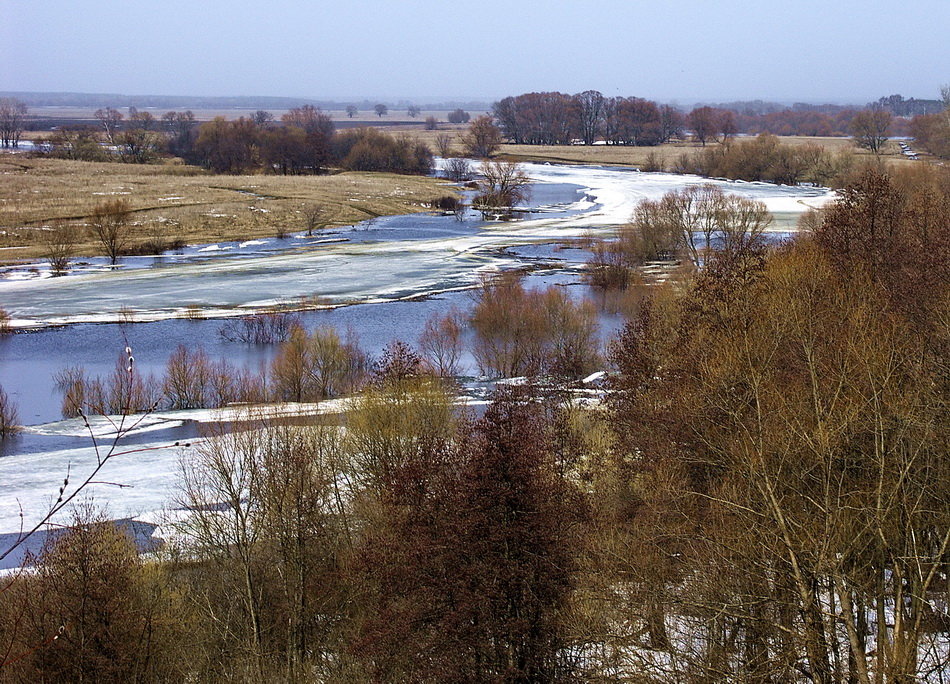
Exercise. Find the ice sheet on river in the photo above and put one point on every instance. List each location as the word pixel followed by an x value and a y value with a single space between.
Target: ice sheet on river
pixel 235 279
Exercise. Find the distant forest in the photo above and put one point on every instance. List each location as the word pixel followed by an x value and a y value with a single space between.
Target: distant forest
pixel 97 100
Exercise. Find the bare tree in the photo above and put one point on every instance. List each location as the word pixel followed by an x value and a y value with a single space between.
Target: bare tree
pixel 458 169
pixel 12 118
pixel 262 118
pixel 111 121
pixel 313 217
pixel 9 417
pixel 591 114
pixel 381 110
pixel 110 226
pixel 502 187
pixel 60 246
pixel 870 128
pixel 703 121
pixel 351 111
pixel 443 143
pixel 441 342
pixel 138 145
pixel 482 138
pixel 413 111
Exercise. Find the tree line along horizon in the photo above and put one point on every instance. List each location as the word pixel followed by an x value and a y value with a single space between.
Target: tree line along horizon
pixel 301 140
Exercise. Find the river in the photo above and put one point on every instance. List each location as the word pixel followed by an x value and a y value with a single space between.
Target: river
pixel 384 278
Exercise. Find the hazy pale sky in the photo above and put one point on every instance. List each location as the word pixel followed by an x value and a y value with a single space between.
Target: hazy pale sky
pixel 669 50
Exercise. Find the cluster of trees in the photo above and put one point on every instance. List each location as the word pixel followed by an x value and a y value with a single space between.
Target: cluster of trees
pixel 781 425
pixel 138 138
pixel 303 141
pixel 550 335
pixel 688 225
pixel 12 119
pixel 560 119
pixel 366 149
pixel 932 131
pixel 898 105
pixel 521 332
pixel 415 545
pixel 306 367
pixel 765 158
pixel 553 118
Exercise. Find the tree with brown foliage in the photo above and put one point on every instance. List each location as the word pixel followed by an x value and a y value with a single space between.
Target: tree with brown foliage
pixel 870 128
pixel 703 122
pixel 482 138
pixel 591 104
pixel 514 548
pixel 94 612
pixel 59 246
pixel 780 424
pixel 110 225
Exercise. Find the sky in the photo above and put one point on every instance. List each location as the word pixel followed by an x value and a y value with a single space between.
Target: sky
pixel 680 51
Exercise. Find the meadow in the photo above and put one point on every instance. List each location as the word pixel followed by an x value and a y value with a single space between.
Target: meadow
pixel 173 203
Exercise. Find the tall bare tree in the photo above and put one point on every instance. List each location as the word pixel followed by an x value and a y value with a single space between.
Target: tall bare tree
pixel 12 119
pixel 870 128
pixel 482 138
pixel 110 226
pixel 111 121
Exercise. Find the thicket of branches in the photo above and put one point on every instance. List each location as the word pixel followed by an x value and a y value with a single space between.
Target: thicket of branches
pixel 304 140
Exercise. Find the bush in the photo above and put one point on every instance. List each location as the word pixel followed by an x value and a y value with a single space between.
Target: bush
pixel 441 343
pixel 366 149
pixel 431 123
pixel 9 417
pixel 446 203
pixel 5 328
pixel 766 159
pixel 315 366
pixel 458 116
pixel 520 332
pixel 263 328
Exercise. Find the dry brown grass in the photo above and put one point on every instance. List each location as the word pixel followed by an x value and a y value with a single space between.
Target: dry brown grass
pixel 175 202
pixel 621 155
pixel 637 156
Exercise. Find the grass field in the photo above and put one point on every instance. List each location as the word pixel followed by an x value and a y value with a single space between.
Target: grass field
pixel 622 155
pixel 175 202
pixel 637 156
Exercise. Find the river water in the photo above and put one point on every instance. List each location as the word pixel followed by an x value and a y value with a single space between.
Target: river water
pixel 393 272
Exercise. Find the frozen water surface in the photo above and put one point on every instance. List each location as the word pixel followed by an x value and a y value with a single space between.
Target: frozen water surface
pixel 383 259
